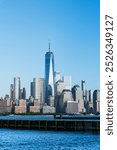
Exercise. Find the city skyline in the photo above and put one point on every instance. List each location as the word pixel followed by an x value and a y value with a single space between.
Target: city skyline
pixel 24 41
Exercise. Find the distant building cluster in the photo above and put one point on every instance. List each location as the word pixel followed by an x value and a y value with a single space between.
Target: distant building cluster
pixel 51 94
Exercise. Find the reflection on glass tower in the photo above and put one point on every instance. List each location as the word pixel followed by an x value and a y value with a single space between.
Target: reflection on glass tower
pixel 49 74
pixel 17 89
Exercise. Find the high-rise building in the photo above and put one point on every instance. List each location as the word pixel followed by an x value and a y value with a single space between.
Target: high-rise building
pixel 21 92
pixel 24 93
pixel 66 95
pixel 87 95
pixel 83 87
pixel 57 76
pixel 90 96
pixel 77 93
pixel 89 102
pixel 39 89
pixel 68 82
pixel 59 87
pixel 49 74
pixel 96 101
pixel 17 89
pixel 12 92
pixel 51 101
pixel 32 92
pixel 78 96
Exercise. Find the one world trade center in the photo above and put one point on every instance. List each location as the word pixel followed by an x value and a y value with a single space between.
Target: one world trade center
pixel 49 74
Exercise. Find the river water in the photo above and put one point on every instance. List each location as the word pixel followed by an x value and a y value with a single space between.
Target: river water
pixel 11 139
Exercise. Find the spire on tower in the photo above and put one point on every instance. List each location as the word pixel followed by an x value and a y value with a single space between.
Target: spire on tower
pixel 49 45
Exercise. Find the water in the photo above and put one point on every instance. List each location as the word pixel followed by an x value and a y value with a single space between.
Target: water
pixel 47 140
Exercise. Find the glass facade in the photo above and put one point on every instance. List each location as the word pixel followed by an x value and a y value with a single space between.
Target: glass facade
pixel 49 75
pixel 17 88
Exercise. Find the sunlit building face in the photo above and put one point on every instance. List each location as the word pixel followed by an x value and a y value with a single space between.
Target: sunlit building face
pixel 49 74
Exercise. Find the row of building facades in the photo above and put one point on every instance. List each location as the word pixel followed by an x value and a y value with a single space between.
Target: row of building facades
pixel 51 94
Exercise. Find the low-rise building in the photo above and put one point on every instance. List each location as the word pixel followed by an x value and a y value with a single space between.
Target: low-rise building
pixel 36 107
pixel 72 107
pixel 5 106
pixel 22 108
pixel 48 109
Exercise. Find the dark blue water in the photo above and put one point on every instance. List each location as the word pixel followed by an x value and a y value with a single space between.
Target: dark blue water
pixel 47 140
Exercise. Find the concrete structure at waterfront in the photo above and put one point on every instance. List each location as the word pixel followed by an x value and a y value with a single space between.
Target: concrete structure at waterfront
pixel 85 123
pixel 22 107
pixel 49 74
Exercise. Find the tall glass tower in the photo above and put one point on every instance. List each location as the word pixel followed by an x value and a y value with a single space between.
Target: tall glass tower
pixel 49 74
pixel 17 89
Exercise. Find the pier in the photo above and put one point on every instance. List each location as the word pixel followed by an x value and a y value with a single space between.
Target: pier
pixel 52 123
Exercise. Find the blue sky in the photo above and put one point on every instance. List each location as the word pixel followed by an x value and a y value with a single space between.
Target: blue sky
pixel 27 25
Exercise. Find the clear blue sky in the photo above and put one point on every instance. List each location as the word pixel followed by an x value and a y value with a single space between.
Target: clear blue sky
pixel 71 25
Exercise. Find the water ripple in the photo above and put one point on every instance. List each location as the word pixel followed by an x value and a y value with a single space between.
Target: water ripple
pixel 47 140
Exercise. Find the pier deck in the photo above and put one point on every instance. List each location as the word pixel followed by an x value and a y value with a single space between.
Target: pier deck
pixel 66 124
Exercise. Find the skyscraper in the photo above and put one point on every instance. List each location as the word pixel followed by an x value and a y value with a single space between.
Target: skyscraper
pixel 17 89
pixel 77 93
pixel 83 87
pixel 78 96
pixel 23 93
pixel 39 89
pixel 32 92
pixel 90 96
pixel 68 82
pixel 12 92
pixel 57 76
pixel 49 74
pixel 96 101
